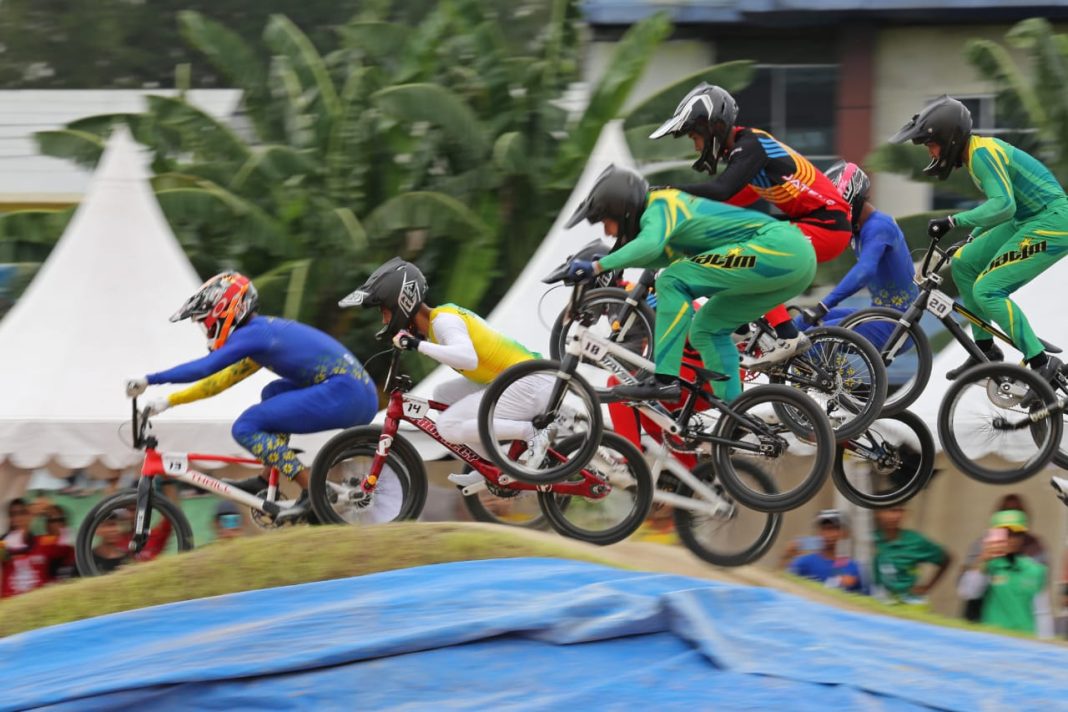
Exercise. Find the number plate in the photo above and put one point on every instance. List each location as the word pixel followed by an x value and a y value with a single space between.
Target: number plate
pixel 940 304
pixel 175 464
pixel 415 408
pixel 592 349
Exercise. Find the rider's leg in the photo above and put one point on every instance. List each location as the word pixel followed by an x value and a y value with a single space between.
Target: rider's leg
pixel 776 264
pixel 338 402
pixel 519 403
pixel 259 482
pixel 828 243
pixel 1036 246
pixel 971 260
pixel 455 389
pixel 876 332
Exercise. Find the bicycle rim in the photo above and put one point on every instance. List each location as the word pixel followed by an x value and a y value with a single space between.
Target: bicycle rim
pixel 971 424
pixel 888 464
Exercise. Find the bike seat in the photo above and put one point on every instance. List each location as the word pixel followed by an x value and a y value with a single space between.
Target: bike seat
pixel 1050 348
pixel 707 375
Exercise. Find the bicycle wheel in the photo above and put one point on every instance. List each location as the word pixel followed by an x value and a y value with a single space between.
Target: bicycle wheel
pixel 500 505
pixel 339 468
pixel 912 341
pixel 615 516
pixel 576 411
pixel 888 464
pixel 853 396
pixel 736 537
pixel 613 319
pixel 796 453
pixel 988 430
pixel 104 535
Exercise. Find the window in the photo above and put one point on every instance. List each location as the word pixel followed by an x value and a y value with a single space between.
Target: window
pixel 795 103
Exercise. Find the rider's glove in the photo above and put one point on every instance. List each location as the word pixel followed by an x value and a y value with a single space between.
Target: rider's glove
pixel 136 386
pixel 813 315
pixel 406 341
pixel 158 405
pixel 650 299
pixel 580 270
pixel 940 226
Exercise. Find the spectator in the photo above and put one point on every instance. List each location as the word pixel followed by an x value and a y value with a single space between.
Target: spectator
pixel 826 565
pixel 229 523
pixel 1033 547
pixel 1004 576
pixel 25 557
pixel 898 555
pixel 59 537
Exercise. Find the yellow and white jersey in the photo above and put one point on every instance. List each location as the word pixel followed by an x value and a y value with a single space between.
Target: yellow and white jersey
pixel 461 340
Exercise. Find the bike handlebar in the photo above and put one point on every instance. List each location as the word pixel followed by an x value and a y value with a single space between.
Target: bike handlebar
pixel 140 424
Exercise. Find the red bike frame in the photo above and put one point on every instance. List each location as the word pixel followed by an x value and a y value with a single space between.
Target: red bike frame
pixel 415 410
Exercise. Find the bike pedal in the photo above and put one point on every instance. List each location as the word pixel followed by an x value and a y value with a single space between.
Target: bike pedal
pixel 505 479
pixel 473 489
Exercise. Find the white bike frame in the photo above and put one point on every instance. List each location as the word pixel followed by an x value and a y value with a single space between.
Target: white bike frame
pixel 585 345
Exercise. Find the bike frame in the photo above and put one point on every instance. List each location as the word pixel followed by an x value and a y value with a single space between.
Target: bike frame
pixel 176 466
pixel 606 354
pixel 942 306
pixel 404 407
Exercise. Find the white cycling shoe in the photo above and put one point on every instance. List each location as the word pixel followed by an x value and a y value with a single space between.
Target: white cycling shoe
pixel 782 350
pixel 537 446
pixel 1060 485
pixel 466 479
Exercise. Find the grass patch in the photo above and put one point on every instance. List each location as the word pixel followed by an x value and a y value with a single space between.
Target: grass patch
pixel 279 558
pixel 912 613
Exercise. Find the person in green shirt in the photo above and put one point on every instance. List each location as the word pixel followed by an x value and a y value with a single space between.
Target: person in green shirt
pixel 898 555
pixel 1020 231
pixel 743 261
pixel 1005 577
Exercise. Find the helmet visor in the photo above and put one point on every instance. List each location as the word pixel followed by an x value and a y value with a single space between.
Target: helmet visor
pixel 911 131
pixel 672 126
pixel 359 298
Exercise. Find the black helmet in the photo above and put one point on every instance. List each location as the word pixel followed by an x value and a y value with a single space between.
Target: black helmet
pixel 710 111
pixel 853 185
pixel 397 285
pixel 619 194
pixel 946 122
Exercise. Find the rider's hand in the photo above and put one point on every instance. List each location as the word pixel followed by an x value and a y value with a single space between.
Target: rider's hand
pixel 650 299
pixel 158 405
pixel 406 341
pixel 940 226
pixel 136 386
pixel 580 270
pixel 813 315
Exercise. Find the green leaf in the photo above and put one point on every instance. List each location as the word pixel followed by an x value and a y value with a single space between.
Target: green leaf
pixel 732 76
pixel 646 150
pixel 236 61
pixel 81 147
pixel 381 42
pixel 209 202
pixel 994 62
pixel 438 106
pixel 352 228
pixel 510 154
pixel 202 134
pixel 471 255
pixel 286 88
pixel 286 39
pixel 629 59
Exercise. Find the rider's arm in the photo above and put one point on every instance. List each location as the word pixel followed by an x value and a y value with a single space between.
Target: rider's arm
pixel 215 383
pixel 241 344
pixel 743 165
pixel 647 248
pixel 454 347
pixel 991 172
pixel 744 197
pixel 872 248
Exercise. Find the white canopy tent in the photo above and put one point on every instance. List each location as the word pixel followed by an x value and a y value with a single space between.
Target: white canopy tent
pixel 528 310
pixel 96 314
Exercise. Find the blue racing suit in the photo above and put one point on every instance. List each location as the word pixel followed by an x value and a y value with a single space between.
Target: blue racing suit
pixel 322 385
pixel 884 265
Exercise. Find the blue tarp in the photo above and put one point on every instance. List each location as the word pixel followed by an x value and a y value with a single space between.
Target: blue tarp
pixel 522 634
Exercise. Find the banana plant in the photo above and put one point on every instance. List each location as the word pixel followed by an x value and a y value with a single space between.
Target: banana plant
pixel 441 143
